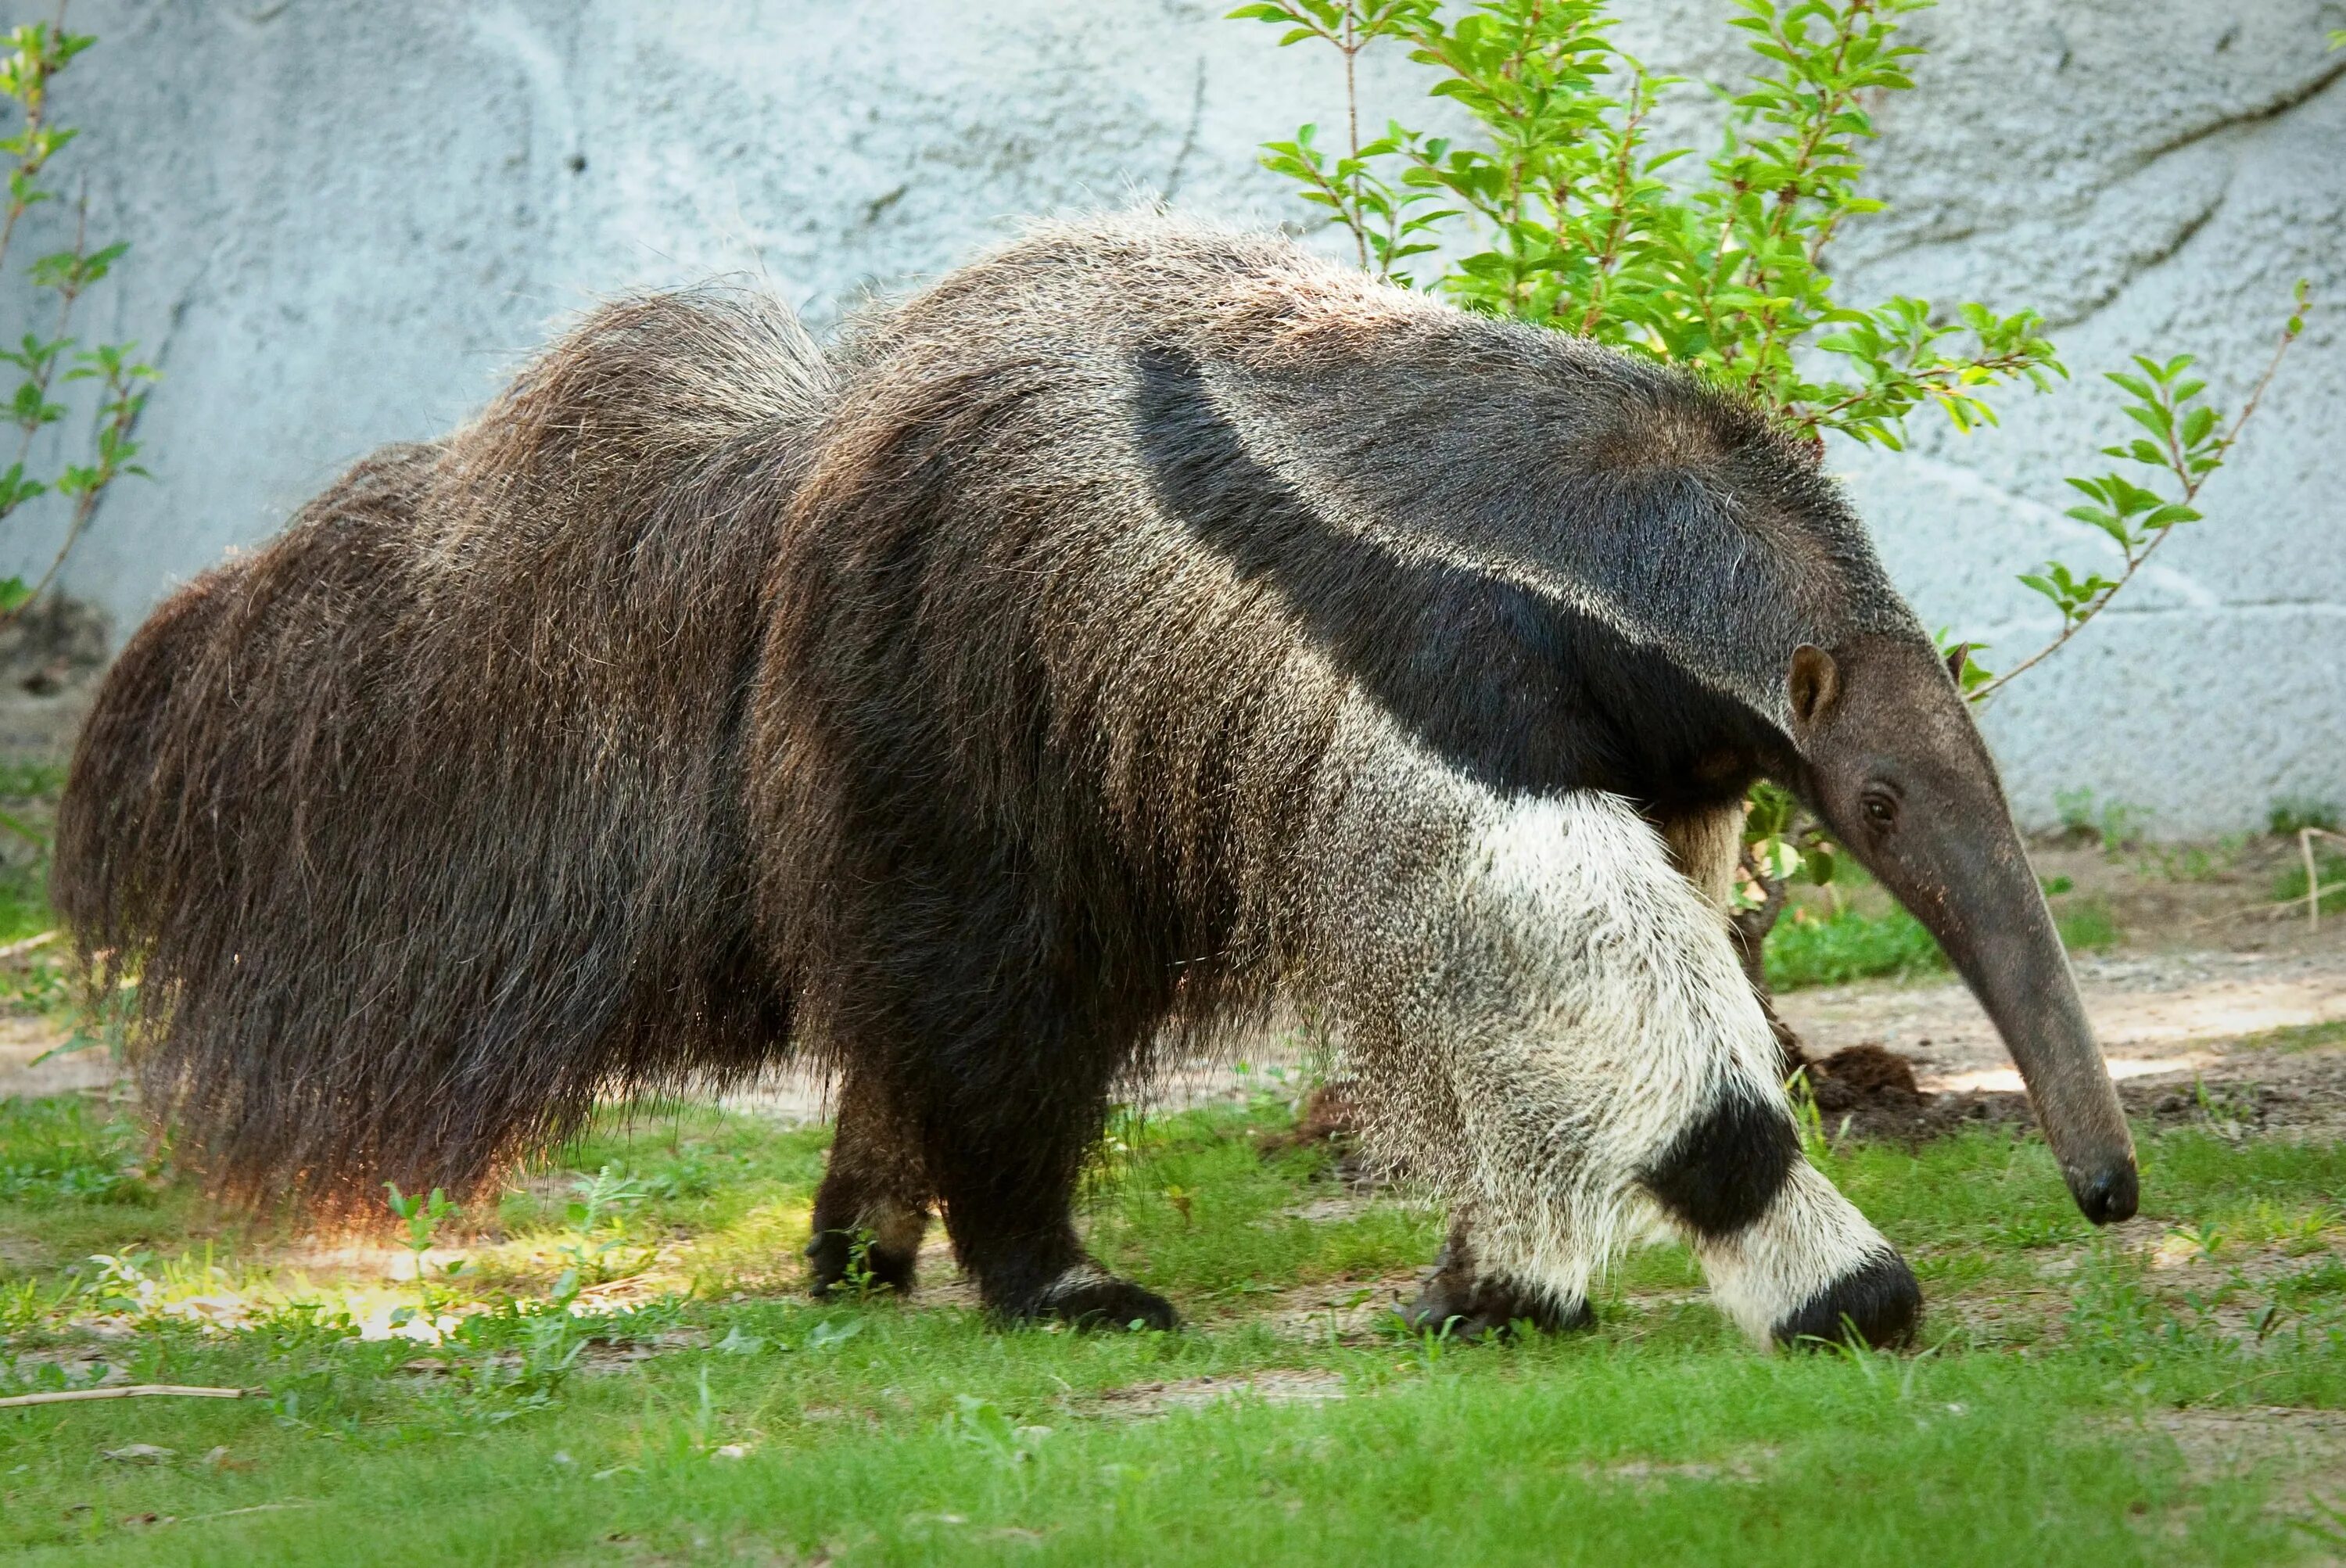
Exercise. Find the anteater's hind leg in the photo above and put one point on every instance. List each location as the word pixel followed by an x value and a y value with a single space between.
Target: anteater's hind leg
pixel 1006 1160
pixel 1543 1012
pixel 1000 1047
pixel 1468 1297
pixel 873 1208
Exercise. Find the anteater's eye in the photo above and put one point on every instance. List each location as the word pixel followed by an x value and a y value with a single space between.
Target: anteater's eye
pixel 1880 808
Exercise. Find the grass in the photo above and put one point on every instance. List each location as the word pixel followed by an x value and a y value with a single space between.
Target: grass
pixel 36 981
pixel 2300 1036
pixel 695 1408
pixel 1835 947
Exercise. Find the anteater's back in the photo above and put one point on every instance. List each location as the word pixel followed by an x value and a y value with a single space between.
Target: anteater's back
pixel 419 826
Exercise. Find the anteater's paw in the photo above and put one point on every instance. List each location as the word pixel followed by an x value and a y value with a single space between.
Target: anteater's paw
pixel 1090 1298
pixel 842 1263
pixel 1477 1308
pixel 1877 1303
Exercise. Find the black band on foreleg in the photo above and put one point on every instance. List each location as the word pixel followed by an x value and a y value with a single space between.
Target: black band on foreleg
pixel 1723 1171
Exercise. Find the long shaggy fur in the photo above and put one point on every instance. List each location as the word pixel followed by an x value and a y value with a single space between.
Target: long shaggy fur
pixel 422 826
pixel 1142 622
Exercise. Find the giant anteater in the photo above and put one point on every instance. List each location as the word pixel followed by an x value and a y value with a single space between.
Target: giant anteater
pixel 1144 623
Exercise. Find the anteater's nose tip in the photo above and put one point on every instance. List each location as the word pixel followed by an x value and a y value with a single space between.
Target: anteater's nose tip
pixel 2108 1195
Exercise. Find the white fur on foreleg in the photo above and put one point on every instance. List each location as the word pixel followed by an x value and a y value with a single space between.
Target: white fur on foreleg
pixel 1809 1238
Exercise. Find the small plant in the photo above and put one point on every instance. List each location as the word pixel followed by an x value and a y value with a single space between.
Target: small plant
pixel 26 1305
pixel 2111 1306
pixel 2087 926
pixel 1809 1115
pixel 857 1282
pixel 2292 814
pixel 599 1223
pixel 981 1424
pixel 1429 1344
pixel 2231 1110
pixel 552 1339
pixel 2204 1240
pixel 47 361
pixel 2328 1523
pixel 421 1217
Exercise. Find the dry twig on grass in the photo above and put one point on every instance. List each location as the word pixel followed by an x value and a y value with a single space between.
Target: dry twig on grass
pixel 122 1391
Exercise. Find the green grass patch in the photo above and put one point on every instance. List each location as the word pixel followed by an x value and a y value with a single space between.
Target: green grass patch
pixel 2086 925
pixel 2292 814
pixel 720 1416
pixel 1833 948
pixel 64 1150
pixel 2300 1036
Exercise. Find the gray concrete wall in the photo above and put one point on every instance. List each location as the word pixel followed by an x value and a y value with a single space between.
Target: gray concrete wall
pixel 350 216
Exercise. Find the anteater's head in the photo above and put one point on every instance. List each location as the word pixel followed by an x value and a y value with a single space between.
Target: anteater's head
pixel 1889 757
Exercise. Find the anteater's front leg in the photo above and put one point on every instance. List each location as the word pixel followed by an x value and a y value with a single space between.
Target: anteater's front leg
pixel 1547 1018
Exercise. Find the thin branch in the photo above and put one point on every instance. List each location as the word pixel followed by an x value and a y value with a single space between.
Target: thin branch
pixel 1352 46
pixel 1624 183
pixel 2134 559
pixel 2314 892
pixel 1932 382
pixel 126 420
pixel 122 1391
pixel 36 104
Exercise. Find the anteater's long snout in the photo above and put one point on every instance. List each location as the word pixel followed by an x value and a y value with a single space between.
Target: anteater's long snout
pixel 2018 969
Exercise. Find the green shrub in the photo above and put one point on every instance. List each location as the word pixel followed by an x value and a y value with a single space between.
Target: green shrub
pixel 1813 949
pixel 2112 824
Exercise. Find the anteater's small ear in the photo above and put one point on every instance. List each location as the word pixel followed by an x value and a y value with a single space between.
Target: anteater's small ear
pixel 1815 680
pixel 1957 656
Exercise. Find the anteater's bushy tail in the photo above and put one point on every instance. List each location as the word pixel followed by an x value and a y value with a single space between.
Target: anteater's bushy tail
pixel 419 826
